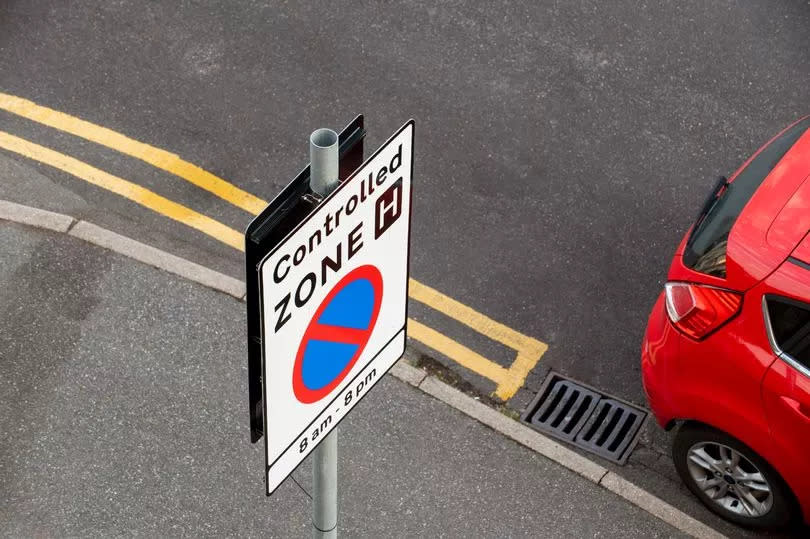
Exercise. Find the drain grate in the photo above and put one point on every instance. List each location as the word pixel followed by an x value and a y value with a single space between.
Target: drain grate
pixel 586 418
pixel 565 410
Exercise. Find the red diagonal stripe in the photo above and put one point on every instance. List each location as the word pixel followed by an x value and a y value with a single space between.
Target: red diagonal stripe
pixel 323 332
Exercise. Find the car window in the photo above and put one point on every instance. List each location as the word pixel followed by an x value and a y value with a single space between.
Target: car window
pixel 790 327
pixel 706 247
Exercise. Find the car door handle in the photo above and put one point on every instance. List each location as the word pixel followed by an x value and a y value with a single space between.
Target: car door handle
pixel 798 407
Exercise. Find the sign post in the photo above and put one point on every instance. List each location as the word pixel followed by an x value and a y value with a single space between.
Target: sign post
pixel 323 178
pixel 327 280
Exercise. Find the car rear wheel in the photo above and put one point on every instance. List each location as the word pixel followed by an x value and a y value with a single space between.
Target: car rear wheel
pixel 731 479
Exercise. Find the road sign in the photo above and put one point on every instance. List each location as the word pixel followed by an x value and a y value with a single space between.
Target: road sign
pixel 333 304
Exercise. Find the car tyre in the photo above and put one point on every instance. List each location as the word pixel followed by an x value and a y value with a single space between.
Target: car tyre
pixel 699 449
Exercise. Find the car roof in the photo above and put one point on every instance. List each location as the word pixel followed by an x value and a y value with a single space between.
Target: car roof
pixel 774 220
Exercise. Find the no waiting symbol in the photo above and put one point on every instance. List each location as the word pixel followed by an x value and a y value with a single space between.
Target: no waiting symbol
pixel 337 334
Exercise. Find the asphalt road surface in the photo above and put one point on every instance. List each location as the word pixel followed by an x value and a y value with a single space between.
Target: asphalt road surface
pixel 562 148
pixel 126 417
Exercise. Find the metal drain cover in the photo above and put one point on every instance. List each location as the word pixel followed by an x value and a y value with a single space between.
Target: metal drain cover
pixel 586 418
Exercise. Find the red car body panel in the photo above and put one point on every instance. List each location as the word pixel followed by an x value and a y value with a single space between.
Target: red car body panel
pixel 786 397
pixel 793 221
pixel 802 252
pixel 732 379
pixel 659 352
pixel 686 380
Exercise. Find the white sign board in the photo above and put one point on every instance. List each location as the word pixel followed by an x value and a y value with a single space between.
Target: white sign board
pixel 334 299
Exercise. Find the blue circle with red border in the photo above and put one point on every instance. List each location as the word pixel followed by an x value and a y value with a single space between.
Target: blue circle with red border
pixel 337 334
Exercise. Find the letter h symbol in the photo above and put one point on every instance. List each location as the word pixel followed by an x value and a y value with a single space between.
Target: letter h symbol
pixel 389 208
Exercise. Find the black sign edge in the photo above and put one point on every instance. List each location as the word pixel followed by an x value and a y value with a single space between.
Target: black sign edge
pixel 354 133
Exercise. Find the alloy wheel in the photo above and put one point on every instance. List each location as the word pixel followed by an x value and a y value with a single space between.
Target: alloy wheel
pixel 729 479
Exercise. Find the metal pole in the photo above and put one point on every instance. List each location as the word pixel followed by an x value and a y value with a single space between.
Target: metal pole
pixel 323 161
pixel 323 178
pixel 324 488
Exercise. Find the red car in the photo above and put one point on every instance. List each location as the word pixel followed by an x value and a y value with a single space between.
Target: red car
pixel 726 354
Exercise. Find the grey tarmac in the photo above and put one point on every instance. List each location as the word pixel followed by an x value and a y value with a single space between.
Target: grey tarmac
pixel 123 401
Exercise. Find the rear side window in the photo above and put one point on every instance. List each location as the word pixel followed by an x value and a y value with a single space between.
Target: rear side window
pixel 706 248
pixel 790 326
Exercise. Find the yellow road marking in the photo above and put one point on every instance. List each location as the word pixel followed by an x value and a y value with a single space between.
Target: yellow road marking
pixel 518 371
pixel 125 188
pixel 458 352
pixel 154 156
pixel 472 318
pixel 529 350
pixel 509 380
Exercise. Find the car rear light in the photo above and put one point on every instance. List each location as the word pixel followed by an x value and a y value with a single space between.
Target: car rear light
pixel 697 310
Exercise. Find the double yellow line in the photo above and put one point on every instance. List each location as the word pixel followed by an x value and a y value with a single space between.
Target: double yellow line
pixel 507 380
